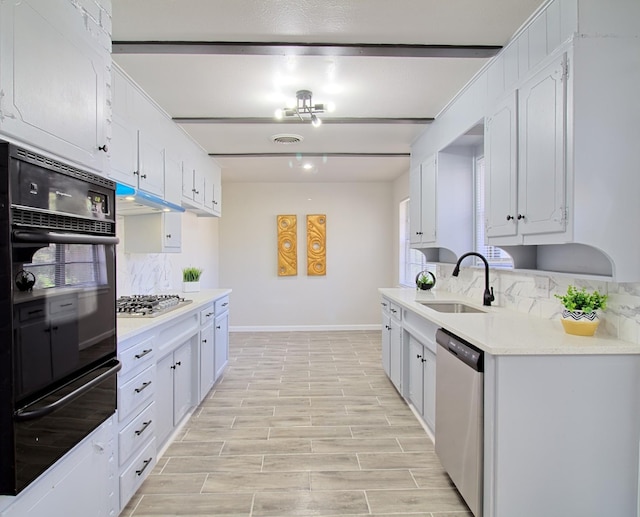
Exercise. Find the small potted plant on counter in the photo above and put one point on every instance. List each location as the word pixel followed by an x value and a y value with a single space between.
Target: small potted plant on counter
pixel 579 316
pixel 191 279
pixel 425 280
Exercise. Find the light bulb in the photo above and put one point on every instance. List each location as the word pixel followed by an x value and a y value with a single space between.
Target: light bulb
pixel 315 121
pixel 279 114
pixel 330 106
pixel 307 166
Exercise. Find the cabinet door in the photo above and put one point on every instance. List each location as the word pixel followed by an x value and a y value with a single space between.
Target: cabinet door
pixel 386 343
pixel 212 190
pixel 541 157
pixel 428 200
pixel 415 214
pixel 164 399
pixel 54 78
pixel 222 342
pixel 501 184
pixel 172 235
pixel 150 164
pixel 415 373
pixel 207 360
pixel 395 354
pixel 429 389
pixel 183 377
pixel 123 148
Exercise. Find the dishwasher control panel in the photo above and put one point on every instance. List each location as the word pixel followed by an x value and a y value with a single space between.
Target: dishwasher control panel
pixel 463 350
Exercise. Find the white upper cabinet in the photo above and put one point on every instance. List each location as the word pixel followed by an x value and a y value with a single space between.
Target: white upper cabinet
pixel 541 151
pixel 525 141
pixel 137 149
pixel 423 206
pixel 54 79
pixel 501 164
pixel 443 208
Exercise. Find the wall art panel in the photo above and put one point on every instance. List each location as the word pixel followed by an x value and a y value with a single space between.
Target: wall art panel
pixel 287 245
pixel 316 245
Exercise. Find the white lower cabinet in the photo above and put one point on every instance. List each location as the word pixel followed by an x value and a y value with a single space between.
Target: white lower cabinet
pixel 175 393
pixel 155 396
pixel 136 472
pixel 422 379
pixel 136 412
pixel 411 359
pixel 207 351
pixel 82 483
pixel 392 343
pixel 221 336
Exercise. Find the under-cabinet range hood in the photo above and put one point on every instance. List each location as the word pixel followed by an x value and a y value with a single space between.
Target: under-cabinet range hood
pixel 131 201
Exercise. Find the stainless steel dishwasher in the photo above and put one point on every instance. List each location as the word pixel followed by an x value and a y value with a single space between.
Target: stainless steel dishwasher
pixel 460 415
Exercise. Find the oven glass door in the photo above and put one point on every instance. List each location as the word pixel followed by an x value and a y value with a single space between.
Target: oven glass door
pixel 63 307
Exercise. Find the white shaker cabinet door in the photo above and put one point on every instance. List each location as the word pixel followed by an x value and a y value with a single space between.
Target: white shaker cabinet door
pixel 501 169
pixel 54 79
pixel 541 151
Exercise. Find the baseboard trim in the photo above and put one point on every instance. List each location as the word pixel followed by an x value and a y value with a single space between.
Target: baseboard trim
pixel 302 328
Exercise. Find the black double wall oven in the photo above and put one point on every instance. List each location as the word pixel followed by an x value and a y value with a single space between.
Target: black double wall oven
pixel 57 311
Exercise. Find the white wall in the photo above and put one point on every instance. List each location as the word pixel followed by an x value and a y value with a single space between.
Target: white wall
pixel 139 273
pixel 360 254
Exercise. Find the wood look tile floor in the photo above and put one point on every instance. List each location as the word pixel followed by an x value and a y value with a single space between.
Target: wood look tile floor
pixel 301 424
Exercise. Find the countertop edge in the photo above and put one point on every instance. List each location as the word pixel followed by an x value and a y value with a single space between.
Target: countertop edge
pixel 494 331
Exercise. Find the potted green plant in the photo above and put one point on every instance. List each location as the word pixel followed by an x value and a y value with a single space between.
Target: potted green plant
pixel 579 316
pixel 425 280
pixel 191 279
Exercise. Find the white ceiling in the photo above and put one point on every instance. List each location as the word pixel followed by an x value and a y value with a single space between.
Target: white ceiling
pixel 217 85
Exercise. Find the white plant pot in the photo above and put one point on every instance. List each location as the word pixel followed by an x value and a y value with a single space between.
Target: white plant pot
pixel 190 287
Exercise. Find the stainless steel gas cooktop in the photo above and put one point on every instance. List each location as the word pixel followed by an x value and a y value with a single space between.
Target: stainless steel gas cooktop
pixel 148 305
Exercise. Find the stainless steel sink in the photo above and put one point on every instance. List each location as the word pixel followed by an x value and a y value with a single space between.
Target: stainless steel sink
pixel 453 307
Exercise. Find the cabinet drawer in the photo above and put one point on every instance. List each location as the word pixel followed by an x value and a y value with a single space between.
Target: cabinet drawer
pixel 134 393
pixel 395 310
pixel 221 305
pixel 133 476
pixel 133 436
pixel 385 304
pixel 206 315
pixel 136 358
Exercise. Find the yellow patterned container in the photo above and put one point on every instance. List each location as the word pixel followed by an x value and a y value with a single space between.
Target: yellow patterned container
pixel 580 323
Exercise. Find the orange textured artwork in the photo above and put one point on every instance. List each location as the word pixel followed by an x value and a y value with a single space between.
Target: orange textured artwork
pixel 316 245
pixel 287 245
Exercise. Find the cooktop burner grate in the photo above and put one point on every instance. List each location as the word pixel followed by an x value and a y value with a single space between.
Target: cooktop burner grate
pixel 148 305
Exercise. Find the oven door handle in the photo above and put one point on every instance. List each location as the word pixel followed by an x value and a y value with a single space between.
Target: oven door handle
pixel 23 414
pixel 62 238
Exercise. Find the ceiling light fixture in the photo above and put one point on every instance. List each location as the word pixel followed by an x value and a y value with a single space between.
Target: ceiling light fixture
pixel 303 106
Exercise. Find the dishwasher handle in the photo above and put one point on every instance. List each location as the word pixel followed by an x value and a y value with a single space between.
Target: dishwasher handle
pixel 466 352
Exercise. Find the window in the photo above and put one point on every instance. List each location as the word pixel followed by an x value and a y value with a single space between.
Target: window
pixel 411 261
pixel 496 257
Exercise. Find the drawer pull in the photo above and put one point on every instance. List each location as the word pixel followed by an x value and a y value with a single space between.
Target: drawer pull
pixel 225 304
pixel 383 304
pixel 218 327
pixel 204 340
pixel 66 304
pixel 209 314
pixel 144 386
pixel 394 311
pixel 143 428
pixel 144 352
pixel 146 464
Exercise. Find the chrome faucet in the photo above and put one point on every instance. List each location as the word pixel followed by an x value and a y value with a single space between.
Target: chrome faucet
pixel 488 291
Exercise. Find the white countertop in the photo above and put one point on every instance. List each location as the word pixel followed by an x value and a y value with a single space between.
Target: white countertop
pixel 501 331
pixel 131 327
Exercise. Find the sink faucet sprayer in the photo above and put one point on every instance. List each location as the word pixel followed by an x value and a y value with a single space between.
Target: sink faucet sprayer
pixel 488 291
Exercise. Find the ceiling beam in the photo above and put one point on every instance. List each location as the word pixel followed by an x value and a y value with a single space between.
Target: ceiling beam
pixel 256 48
pixel 295 120
pixel 312 155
